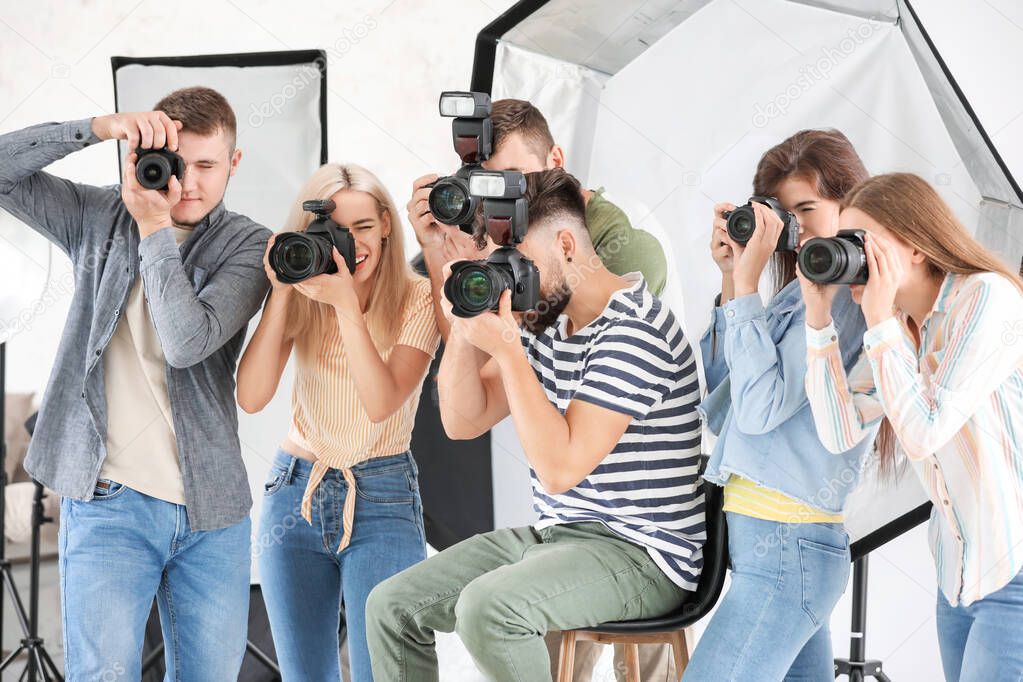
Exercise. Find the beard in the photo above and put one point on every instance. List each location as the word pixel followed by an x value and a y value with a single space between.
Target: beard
pixel 552 304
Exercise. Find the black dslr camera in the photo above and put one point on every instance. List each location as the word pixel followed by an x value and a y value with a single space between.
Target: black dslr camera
pixel 742 223
pixel 154 167
pixel 297 256
pixel 475 286
pixel 450 200
pixel 836 260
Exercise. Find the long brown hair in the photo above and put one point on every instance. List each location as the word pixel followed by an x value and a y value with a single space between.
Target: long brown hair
pixel 308 319
pixel 914 213
pixel 824 158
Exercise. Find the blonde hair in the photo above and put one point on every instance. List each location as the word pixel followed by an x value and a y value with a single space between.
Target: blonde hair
pixel 392 280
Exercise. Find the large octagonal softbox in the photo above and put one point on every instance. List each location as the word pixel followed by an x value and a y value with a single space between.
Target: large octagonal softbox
pixel 670 104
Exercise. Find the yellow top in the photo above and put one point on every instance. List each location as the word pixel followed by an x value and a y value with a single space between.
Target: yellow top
pixel 328 418
pixel 743 496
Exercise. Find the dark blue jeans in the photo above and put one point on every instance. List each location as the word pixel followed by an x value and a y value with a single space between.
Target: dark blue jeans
pixel 306 580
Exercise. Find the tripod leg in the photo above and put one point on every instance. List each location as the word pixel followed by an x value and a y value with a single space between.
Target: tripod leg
pixel 881 677
pixel 53 667
pixel 37 666
pixel 11 658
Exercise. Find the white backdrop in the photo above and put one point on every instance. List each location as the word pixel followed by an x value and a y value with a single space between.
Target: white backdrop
pixel 388 60
pixel 682 127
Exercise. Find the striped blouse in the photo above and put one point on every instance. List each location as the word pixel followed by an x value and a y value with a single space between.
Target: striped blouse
pixel 328 418
pixel 956 405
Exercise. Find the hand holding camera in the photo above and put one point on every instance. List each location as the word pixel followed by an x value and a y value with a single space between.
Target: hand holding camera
pixel 149 207
pixel 145 129
pixel 886 273
pixel 720 246
pixel 762 230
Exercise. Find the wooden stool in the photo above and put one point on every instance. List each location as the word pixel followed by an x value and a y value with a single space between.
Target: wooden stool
pixel 678 639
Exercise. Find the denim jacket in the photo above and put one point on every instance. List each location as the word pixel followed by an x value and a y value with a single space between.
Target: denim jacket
pixel 754 359
pixel 201 296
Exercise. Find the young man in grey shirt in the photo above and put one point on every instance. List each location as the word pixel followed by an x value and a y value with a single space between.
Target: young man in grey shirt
pixel 138 429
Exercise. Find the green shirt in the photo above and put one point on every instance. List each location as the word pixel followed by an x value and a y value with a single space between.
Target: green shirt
pixel 622 247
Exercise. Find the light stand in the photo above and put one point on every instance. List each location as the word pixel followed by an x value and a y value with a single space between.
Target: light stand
pixel 856 666
pixel 39 665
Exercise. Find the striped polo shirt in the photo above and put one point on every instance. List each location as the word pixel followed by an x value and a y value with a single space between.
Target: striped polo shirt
pixel 633 359
pixel 956 405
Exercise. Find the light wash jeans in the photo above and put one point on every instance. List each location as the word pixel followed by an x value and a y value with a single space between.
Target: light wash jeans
pixel 305 580
pixel 983 642
pixel 773 622
pixel 121 550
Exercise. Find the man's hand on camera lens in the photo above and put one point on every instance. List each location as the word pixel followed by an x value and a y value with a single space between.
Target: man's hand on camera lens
pixel 429 233
pixel 145 129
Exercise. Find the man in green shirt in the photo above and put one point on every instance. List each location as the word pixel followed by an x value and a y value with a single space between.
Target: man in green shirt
pixel 523 142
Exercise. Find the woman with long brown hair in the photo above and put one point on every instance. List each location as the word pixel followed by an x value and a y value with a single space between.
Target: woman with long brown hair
pixel 363 342
pixel 783 490
pixel 942 367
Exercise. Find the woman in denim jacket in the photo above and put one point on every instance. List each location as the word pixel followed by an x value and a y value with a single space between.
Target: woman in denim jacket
pixel 783 490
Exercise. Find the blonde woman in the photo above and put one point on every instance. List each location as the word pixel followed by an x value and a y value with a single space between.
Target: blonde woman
pixel 363 342
pixel 942 373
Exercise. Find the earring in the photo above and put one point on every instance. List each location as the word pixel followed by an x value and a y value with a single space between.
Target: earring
pixel 569 259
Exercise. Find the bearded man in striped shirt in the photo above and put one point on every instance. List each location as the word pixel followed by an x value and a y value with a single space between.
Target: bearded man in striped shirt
pixel 602 386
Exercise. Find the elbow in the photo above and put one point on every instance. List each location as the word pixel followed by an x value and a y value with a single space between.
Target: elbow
pixel 378 416
pixel 251 405
pixel 458 429
pixel 559 484
pixel 180 360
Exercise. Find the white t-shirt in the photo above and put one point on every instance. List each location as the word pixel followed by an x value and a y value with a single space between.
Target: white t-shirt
pixel 142 450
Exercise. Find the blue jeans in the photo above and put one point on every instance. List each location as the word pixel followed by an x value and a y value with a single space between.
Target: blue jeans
pixel 306 581
pixel 121 550
pixel 773 622
pixel 983 642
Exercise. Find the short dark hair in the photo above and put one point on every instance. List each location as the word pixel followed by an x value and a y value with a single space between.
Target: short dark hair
pixel 517 116
pixel 554 197
pixel 203 111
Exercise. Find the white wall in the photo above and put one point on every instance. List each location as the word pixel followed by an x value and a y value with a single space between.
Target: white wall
pixel 388 61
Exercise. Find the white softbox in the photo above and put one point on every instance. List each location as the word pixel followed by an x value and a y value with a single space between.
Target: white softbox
pixel 669 105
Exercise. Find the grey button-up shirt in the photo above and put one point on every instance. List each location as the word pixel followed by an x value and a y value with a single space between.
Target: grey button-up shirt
pixel 201 297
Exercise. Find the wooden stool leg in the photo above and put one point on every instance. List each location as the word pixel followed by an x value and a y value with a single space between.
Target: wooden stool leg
pixel 680 650
pixel 566 657
pixel 632 662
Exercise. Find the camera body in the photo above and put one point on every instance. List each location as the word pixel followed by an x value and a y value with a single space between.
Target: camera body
pixel 836 260
pixel 475 286
pixel 297 256
pixel 450 200
pixel 742 223
pixel 154 167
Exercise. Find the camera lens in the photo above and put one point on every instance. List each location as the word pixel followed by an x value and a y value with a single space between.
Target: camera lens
pixel 296 256
pixel 742 223
pixel 835 260
pixel 819 259
pixel 451 203
pixel 476 288
pixel 153 171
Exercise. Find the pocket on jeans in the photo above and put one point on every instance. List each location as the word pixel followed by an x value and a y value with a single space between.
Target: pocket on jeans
pixel 107 490
pixel 275 483
pixel 824 572
pixel 391 487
